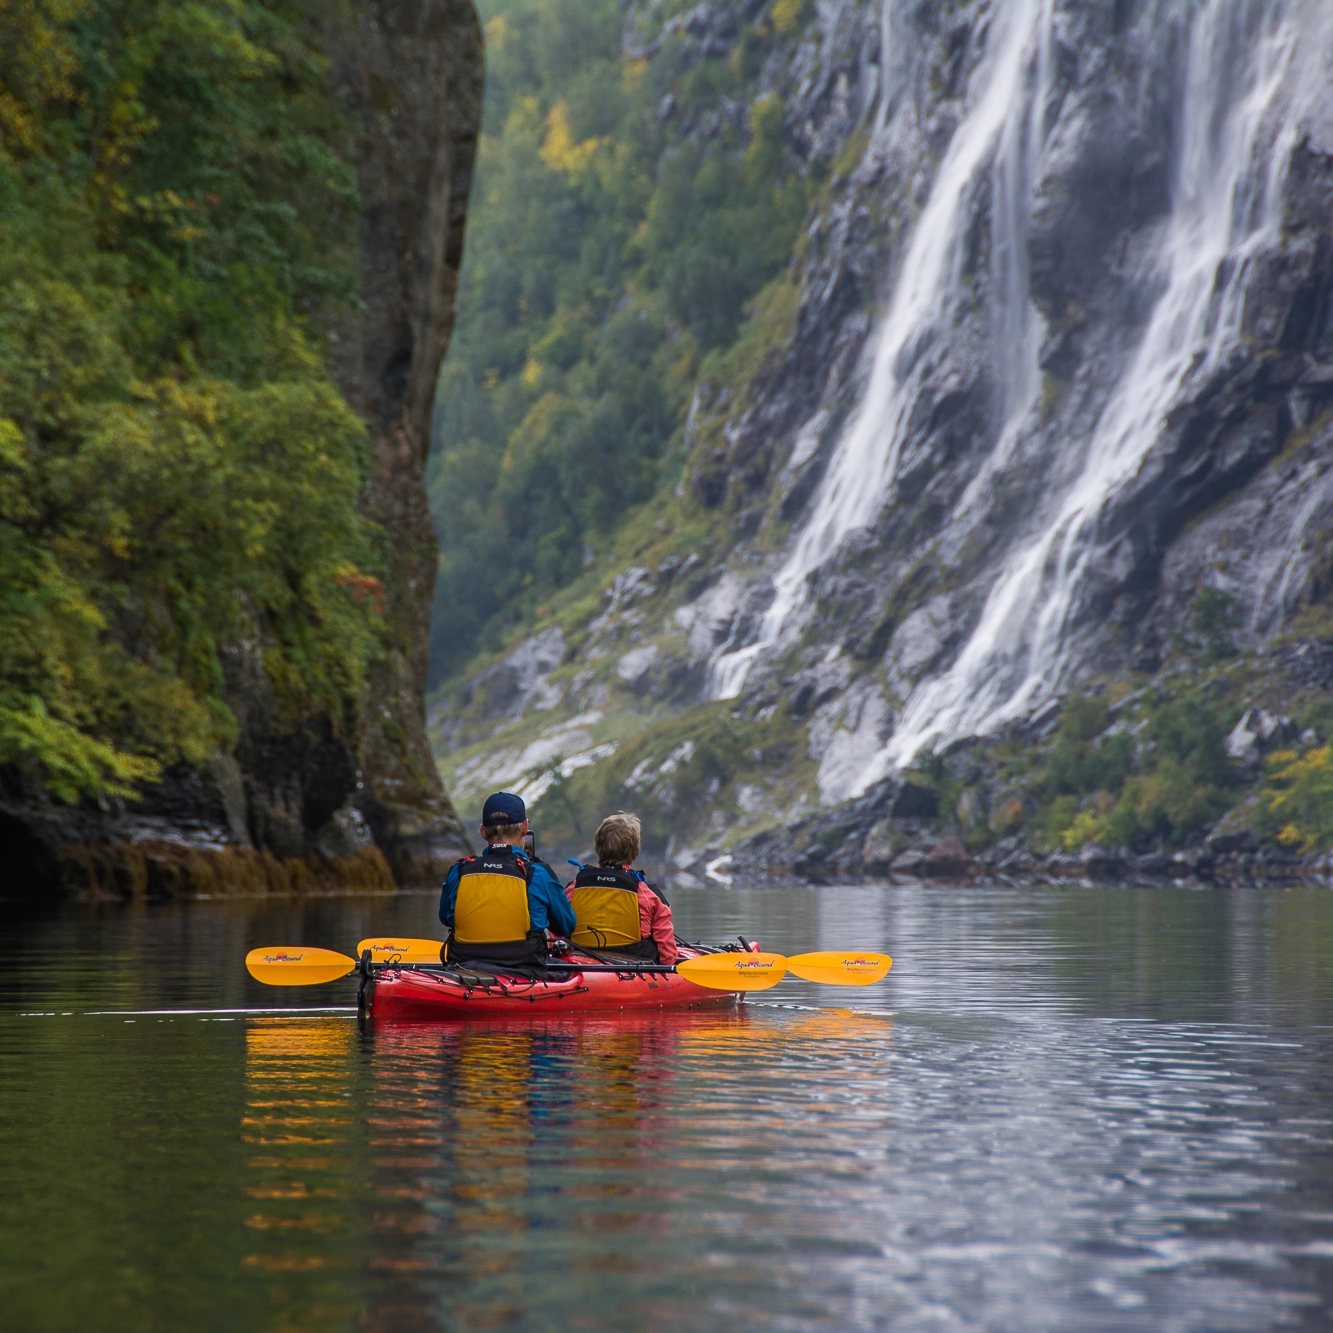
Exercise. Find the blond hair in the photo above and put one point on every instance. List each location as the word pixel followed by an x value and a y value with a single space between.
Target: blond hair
pixel 617 839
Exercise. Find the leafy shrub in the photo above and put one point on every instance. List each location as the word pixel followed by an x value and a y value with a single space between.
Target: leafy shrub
pixel 176 468
pixel 1213 618
pixel 1099 766
pixel 1181 783
pixel 1169 803
pixel 1299 791
pixel 1083 761
pixel 1193 733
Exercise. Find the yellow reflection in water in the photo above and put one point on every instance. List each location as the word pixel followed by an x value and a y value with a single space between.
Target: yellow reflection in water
pixel 486 1134
pixel 299 1095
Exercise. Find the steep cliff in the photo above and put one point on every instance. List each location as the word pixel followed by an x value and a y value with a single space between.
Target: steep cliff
pixel 1045 416
pixel 314 779
pixel 411 71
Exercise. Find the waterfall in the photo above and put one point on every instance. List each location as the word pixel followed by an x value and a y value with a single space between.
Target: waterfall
pixel 1253 70
pixel 1001 128
pixel 1250 73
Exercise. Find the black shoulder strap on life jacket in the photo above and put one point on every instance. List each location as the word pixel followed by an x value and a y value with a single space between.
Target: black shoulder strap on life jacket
pixel 497 861
pixel 607 877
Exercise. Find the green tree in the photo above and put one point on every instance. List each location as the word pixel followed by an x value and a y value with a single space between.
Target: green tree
pixel 177 470
pixel 610 248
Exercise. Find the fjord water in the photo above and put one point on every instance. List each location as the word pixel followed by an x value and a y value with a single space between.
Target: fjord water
pixel 1067 1108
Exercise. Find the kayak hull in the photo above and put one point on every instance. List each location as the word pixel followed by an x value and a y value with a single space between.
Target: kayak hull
pixel 417 996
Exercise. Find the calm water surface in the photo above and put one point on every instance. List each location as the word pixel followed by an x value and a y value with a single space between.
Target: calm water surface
pixel 1065 1109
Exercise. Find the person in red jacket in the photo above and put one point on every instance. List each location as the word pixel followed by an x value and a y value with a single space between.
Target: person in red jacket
pixel 617 909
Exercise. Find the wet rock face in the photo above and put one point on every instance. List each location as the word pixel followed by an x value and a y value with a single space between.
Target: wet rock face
pixel 328 797
pixel 1100 196
pixel 520 681
pixel 1233 492
pixel 1040 411
pixel 411 74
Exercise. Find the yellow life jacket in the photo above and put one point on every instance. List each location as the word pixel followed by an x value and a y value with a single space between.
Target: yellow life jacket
pixel 492 902
pixel 606 904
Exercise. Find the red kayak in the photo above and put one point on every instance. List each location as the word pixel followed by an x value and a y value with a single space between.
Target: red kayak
pixel 406 993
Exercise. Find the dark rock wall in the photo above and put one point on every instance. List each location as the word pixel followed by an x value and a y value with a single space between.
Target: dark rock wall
pixel 411 72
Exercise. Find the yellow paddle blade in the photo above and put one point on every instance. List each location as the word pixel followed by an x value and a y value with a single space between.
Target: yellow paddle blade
pixel 840 969
pixel 734 971
pixel 276 966
pixel 400 949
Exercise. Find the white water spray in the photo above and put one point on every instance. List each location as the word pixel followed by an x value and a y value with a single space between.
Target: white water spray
pixel 1252 71
pixel 1248 84
pixel 1008 90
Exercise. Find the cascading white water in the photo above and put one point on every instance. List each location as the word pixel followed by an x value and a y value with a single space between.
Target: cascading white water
pixel 1254 68
pixel 1000 128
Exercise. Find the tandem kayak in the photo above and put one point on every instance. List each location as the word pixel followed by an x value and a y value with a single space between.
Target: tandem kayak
pixel 409 993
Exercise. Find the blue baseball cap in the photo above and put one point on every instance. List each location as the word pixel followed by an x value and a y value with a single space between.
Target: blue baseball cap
pixel 504 808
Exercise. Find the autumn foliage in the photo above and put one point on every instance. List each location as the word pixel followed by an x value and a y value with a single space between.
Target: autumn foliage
pixel 178 474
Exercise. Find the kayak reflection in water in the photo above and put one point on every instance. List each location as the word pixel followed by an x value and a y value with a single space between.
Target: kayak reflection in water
pixel 616 907
pixel 499 905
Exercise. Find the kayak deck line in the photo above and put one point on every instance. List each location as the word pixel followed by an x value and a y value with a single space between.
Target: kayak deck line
pixel 417 992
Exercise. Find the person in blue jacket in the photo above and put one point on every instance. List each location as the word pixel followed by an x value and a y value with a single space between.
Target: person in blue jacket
pixel 500 905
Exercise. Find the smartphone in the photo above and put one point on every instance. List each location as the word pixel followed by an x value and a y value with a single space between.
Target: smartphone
pixel 530 844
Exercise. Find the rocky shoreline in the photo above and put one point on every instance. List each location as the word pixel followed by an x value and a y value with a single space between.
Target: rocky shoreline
pixel 863 842
pixel 844 852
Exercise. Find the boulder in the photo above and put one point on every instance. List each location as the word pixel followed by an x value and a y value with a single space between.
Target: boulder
pixel 810 864
pixel 949 859
pixel 1258 732
pixel 1243 742
pixel 1227 841
pixel 1100 862
pixel 1154 864
pixel 1063 865
pixel 910 862
pixel 877 855
pixel 1196 861
pixel 346 834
